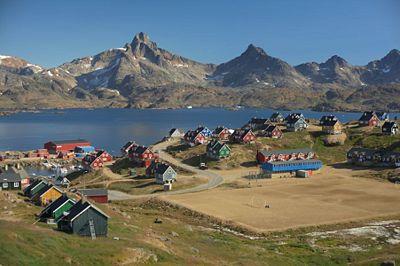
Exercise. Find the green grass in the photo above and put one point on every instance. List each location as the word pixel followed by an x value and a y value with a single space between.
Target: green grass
pixel 22 243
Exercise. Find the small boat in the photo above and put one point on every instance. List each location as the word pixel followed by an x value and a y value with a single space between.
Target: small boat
pixel 189 107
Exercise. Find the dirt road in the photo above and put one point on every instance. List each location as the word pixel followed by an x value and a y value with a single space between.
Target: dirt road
pixel 214 179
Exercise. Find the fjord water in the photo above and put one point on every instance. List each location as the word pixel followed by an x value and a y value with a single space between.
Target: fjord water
pixel 111 128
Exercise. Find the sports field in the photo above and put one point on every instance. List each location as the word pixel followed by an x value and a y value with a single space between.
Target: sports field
pixel 335 195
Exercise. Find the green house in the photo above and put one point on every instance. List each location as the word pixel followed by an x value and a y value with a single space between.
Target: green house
pixel 57 208
pixel 34 188
pixel 218 150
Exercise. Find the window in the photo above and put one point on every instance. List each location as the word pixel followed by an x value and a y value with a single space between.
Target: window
pixel 5 185
pixel 16 184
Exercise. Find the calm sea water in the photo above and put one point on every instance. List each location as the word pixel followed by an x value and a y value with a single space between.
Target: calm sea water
pixel 111 128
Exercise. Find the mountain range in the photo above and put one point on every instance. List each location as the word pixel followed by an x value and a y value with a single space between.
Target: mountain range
pixel 142 75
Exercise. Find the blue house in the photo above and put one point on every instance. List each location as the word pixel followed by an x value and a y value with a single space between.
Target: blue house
pixel 288 168
pixel 204 131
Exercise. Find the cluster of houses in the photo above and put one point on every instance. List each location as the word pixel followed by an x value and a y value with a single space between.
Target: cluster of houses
pixel 76 216
pixel 371 157
pixel 288 163
pixel 144 157
pixel 379 119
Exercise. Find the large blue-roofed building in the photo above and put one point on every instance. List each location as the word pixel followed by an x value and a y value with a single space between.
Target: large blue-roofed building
pixel 290 168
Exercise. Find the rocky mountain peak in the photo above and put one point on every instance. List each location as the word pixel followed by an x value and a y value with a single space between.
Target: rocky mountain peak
pixel 253 50
pixel 141 37
pixel 336 61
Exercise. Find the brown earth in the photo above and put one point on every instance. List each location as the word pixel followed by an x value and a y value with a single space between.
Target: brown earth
pixel 333 196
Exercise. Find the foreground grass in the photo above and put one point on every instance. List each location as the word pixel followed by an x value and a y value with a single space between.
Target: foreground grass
pixel 182 238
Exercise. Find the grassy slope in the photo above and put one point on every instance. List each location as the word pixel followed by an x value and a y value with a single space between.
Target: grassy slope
pixel 22 243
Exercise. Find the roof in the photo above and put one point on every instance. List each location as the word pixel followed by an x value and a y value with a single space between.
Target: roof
pixel 9 175
pixel 294 162
pixel 161 168
pixel 32 185
pixel 71 141
pixel 366 116
pixel 79 208
pixel 217 145
pixel 329 123
pixel 285 152
pixel 94 192
pixel 271 128
pixel 128 145
pixel 55 204
pixel 258 121
pixel 219 129
pixel 276 115
pixel 173 130
pixel 140 149
pixel 389 125
pixel 294 117
pixel 42 190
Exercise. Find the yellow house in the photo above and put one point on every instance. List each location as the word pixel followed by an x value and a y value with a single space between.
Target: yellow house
pixel 50 195
pixel 332 127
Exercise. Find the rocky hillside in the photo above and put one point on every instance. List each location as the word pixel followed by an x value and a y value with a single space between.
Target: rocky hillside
pixel 142 75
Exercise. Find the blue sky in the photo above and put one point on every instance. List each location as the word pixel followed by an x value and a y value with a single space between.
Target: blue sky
pixel 52 32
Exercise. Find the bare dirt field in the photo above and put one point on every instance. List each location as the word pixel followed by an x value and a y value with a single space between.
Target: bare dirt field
pixel 336 195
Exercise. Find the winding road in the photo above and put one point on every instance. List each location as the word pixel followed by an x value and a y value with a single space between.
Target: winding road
pixel 214 179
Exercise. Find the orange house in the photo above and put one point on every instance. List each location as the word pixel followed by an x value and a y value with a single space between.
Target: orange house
pixel 50 195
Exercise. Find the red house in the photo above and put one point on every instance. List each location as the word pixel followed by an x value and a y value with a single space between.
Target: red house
pixel 65 145
pixel 273 131
pixel 194 138
pixel 243 136
pixel 284 155
pixel 142 155
pixel 369 119
pixel 221 133
pixel 98 195
pixel 96 161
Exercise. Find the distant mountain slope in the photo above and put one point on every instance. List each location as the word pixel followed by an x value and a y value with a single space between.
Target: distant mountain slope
pixel 255 66
pixel 142 75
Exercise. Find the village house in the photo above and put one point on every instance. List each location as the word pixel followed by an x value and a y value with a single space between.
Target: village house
pixel 369 119
pixel 13 175
pixel 162 172
pixel 99 195
pixel 142 156
pixel 272 131
pixel 127 147
pixel 284 155
pixel 332 127
pixel 390 128
pixel 97 160
pixel 256 124
pixel 9 179
pixel 34 187
pixel 243 136
pixel 55 210
pixel 277 118
pixel 84 219
pixel 176 133
pixel 370 157
pixel 326 118
pixel 300 168
pixel 65 146
pixel 217 150
pixel 204 131
pixel 194 138
pixel 221 133
pixel 46 195
pixel 296 122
